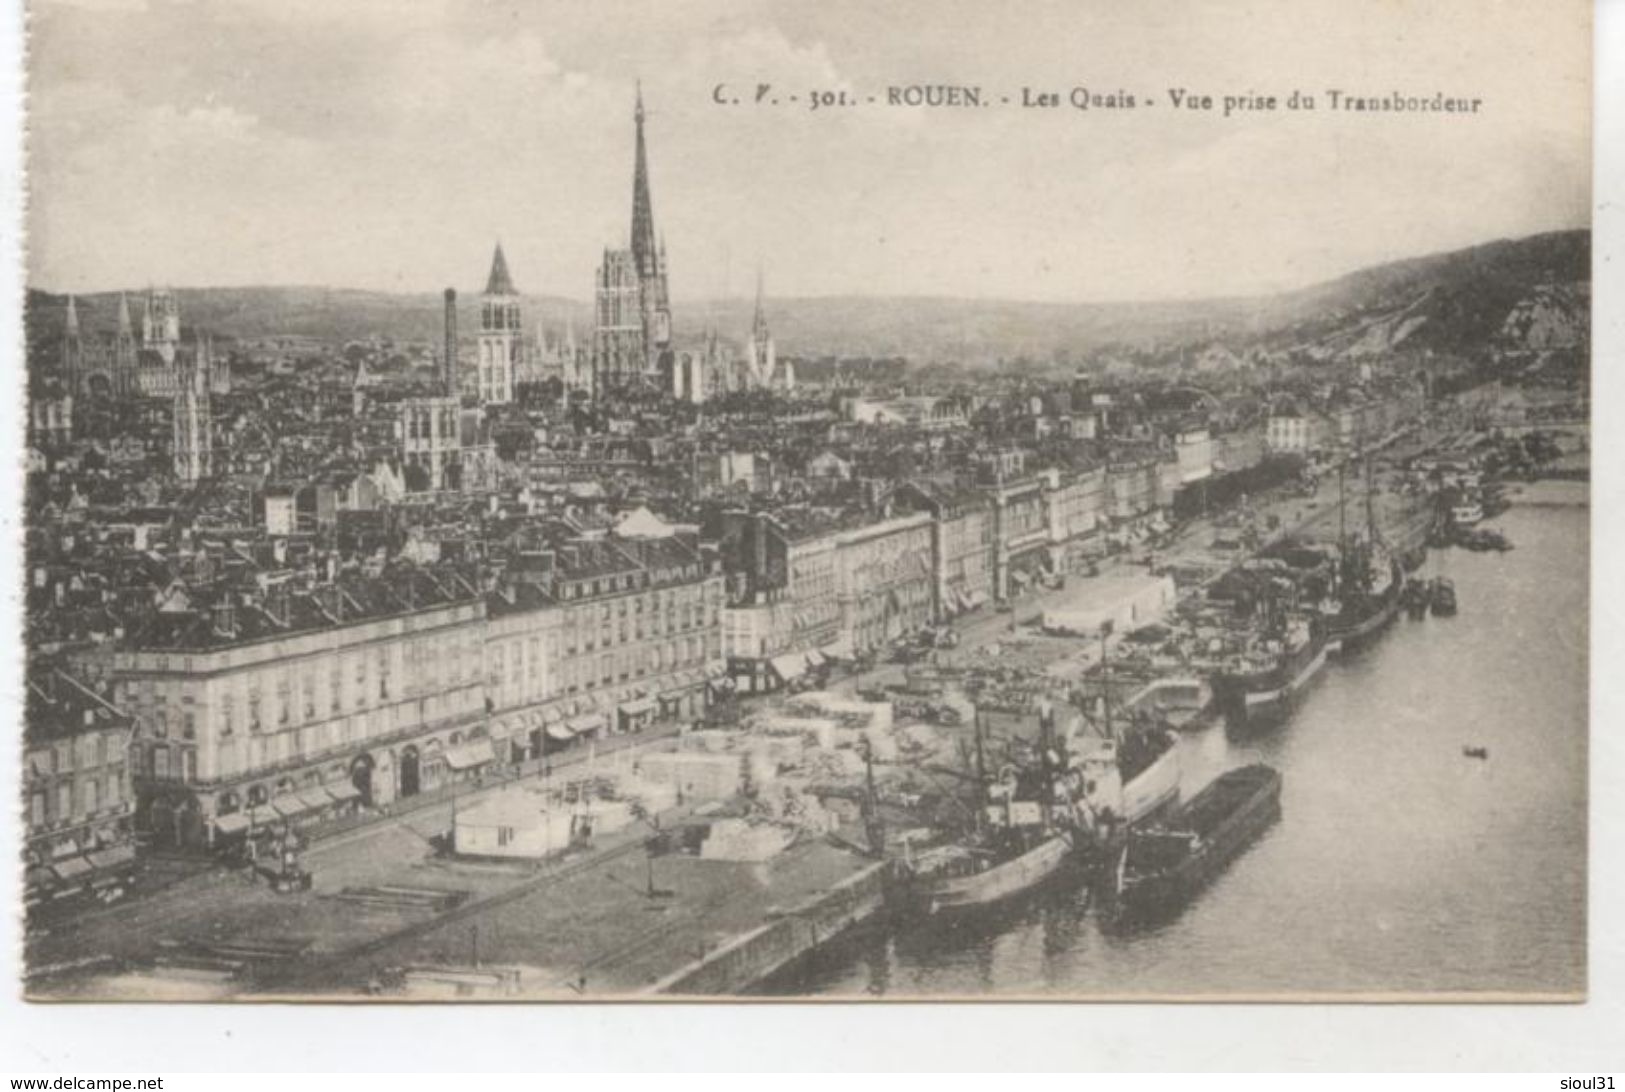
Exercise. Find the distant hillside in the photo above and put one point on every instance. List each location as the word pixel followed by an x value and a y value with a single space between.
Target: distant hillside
pixel 1531 292
pixel 330 314
pixel 1526 293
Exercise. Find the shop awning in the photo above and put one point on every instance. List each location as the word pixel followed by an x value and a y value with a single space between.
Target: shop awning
pixel 561 732
pixel 231 824
pixel 789 666
pixel 342 791
pixel 112 856
pixel 592 722
pixel 288 805
pixel 314 799
pixel 814 658
pixel 638 708
pixel 838 649
pixel 69 868
pixel 469 754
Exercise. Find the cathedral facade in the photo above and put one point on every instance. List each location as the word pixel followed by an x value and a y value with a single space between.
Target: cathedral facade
pixel 155 364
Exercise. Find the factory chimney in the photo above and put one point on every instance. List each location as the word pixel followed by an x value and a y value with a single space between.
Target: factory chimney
pixel 448 364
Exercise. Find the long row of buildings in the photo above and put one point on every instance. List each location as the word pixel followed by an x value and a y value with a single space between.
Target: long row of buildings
pixel 263 695
pixel 267 688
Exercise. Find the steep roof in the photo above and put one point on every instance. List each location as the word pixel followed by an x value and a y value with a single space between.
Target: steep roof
pixel 499 283
pixel 643 221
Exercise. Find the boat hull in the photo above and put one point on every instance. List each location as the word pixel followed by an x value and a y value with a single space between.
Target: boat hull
pixel 1167 889
pixel 1261 699
pixel 1347 636
pixel 1153 789
pixel 1002 882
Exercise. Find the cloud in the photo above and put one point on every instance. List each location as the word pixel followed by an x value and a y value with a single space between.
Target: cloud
pixel 380 144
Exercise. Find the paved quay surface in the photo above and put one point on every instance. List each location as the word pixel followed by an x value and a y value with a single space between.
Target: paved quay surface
pixel 225 906
pixel 596 930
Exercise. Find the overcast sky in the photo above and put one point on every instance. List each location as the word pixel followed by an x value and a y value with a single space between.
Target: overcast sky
pixel 387 145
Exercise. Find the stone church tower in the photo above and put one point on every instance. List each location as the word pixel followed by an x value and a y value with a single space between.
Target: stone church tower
pixel 500 335
pixel 161 325
pixel 194 426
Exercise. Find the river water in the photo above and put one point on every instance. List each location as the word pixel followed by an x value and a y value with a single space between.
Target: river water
pixel 1399 866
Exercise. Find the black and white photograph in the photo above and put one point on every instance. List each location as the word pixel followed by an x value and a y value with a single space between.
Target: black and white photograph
pixel 784 501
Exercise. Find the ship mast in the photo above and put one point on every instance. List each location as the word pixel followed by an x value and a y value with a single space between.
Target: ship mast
pixel 1106 678
pixel 981 769
pixel 871 809
pixel 1046 777
pixel 1342 508
pixel 1370 508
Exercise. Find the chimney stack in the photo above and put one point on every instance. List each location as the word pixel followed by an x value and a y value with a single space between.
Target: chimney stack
pixel 758 561
pixel 449 364
pixel 225 618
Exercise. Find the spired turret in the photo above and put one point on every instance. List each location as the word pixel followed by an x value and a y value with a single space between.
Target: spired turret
pixel 124 362
pixel 73 354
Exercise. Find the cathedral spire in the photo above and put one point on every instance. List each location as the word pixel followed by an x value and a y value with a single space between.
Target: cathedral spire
pixel 72 324
pixel 759 322
pixel 644 246
pixel 126 328
pixel 499 283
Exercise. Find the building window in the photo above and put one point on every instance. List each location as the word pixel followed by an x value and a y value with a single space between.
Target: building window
pixel 188 725
pixel 64 801
pixel 36 810
pixel 160 763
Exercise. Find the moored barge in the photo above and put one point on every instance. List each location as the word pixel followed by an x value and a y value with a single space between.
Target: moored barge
pixel 1165 864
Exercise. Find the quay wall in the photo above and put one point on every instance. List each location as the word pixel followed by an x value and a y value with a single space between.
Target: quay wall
pixel 750 957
